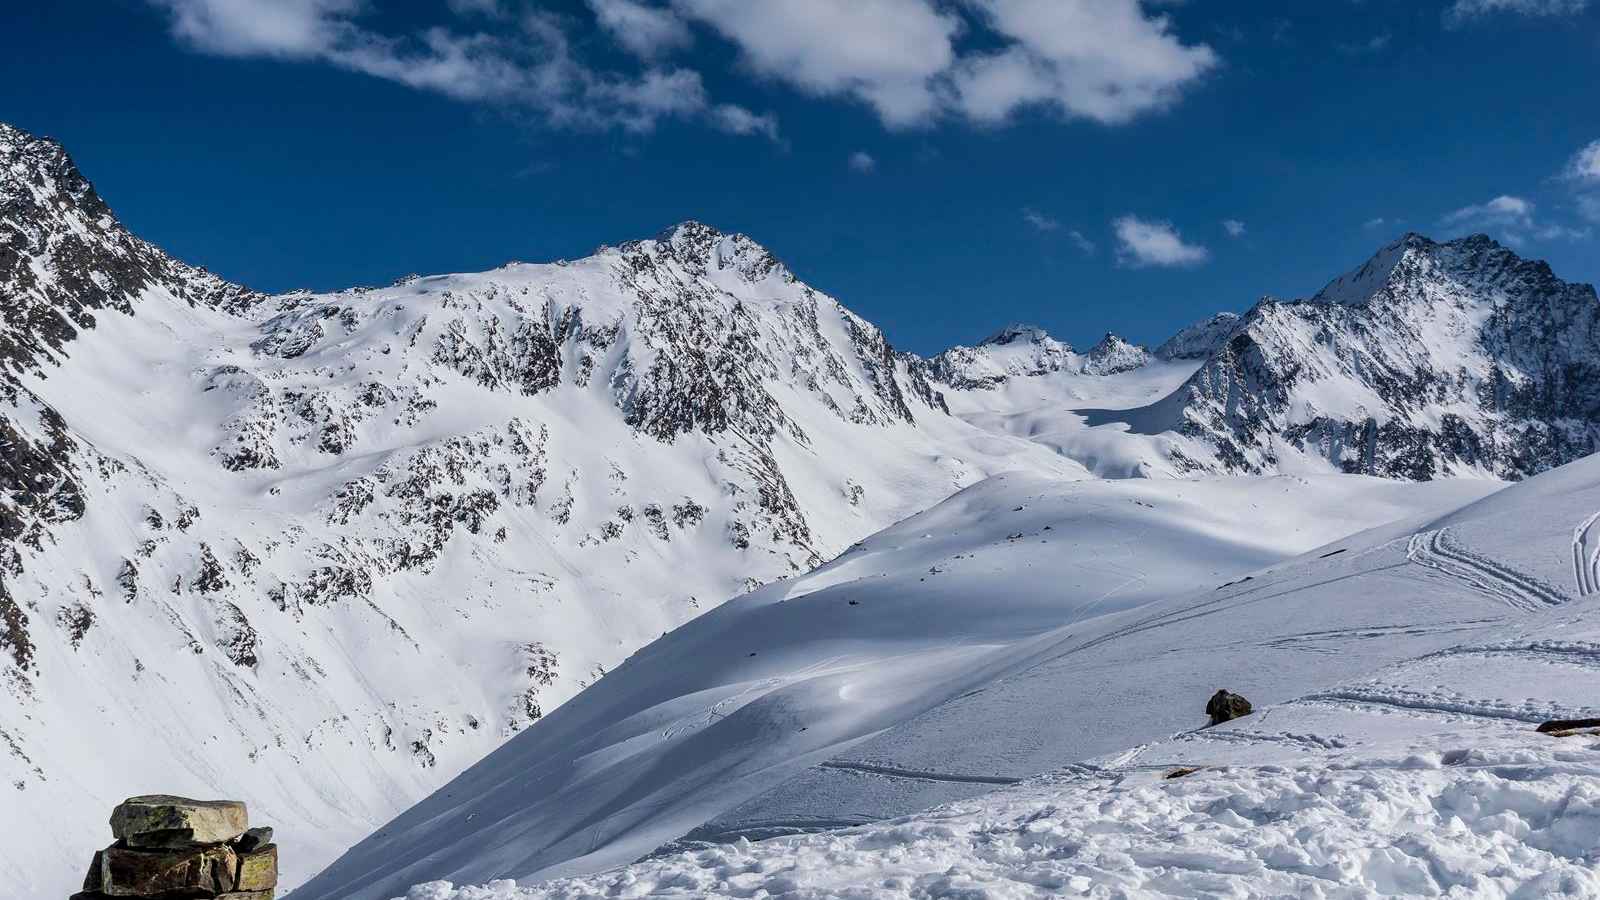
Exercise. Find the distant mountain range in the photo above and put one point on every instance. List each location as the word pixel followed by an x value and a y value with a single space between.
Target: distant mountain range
pixel 326 550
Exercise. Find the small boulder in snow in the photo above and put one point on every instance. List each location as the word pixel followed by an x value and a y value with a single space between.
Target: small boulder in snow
pixel 1225 706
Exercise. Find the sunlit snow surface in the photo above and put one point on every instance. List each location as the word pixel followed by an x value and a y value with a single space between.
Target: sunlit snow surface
pixel 1398 677
pixel 971 645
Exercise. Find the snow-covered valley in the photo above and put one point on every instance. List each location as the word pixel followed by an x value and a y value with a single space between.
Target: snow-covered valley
pixel 437 575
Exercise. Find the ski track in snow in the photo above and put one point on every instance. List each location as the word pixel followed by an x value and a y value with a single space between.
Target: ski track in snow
pixel 1585 564
pixel 895 772
pixel 1434 550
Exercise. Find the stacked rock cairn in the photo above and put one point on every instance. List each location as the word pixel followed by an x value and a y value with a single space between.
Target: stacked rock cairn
pixel 173 847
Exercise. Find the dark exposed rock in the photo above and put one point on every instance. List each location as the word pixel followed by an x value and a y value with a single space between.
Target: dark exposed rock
pixel 254 838
pixel 198 871
pixel 1225 706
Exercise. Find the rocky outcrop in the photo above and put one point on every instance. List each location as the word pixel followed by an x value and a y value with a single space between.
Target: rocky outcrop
pixel 173 847
pixel 1225 706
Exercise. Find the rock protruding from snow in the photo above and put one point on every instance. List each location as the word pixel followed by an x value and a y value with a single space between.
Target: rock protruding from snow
pixel 1225 706
pixel 1201 339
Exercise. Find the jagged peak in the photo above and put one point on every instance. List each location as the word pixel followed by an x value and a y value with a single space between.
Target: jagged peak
pixel 1112 354
pixel 706 248
pixel 1019 332
pixel 1473 256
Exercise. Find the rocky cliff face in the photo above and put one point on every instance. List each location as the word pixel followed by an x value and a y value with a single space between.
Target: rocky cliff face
pixel 1431 359
pixel 345 543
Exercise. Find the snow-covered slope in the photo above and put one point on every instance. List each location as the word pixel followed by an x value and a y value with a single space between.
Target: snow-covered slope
pixel 721 727
pixel 1430 359
pixel 1397 674
pixel 322 551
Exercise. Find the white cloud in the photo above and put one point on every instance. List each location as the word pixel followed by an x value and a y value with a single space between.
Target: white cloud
pixel 1104 60
pixel 1377 222
pixel 1082 243
pixel 862 161
pixel 1503 211
pixel 528 63
pixel 1584 167
pixel 1142 243
pixel 647 31
pixel 738 120
pixel 1039 220
pixel 913 62
pixel 490 8
pixel 1233 227
pixel 1512 218
pixel 1589 207
pixel 1464 11
pixel 882 52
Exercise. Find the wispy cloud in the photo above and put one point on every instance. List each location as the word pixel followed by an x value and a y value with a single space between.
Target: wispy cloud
pixel 525 60
pixel 1142 243
pixel 1583 173
pixel 1513 219
pixel 1084 245
pixel 1233 227
pixel 1039 220
pixel 863 162
pixel 1375 44
pixel 1464 11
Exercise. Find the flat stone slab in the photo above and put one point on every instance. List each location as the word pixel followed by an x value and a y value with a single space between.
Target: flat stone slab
pixel 203 871
pixel 161 820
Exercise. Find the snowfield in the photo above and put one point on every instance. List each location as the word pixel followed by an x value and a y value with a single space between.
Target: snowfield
pixel 1420 773
pixel 924 665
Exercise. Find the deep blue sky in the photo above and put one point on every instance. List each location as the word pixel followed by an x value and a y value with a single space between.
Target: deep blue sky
pixel 1309 122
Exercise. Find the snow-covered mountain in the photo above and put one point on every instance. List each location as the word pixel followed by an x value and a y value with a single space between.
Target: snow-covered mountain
pixel 322 551
pixel 1430 359
pixel 1037 657
pixel 1026 351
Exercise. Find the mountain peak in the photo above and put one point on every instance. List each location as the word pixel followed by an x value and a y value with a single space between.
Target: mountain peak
pixel 1402 268
pixel 705 249
pixel 1017 332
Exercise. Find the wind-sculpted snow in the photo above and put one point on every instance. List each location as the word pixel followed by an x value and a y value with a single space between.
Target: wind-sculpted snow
pixel 1392 748
pixel 781 711
pixel 322 551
